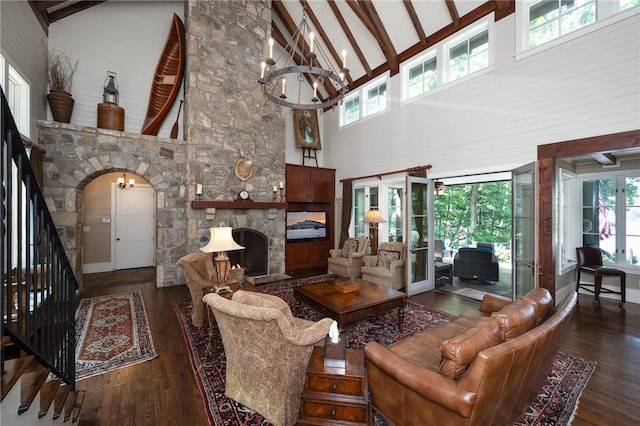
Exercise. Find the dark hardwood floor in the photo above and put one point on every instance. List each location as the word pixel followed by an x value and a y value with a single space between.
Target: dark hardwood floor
pixel 164 391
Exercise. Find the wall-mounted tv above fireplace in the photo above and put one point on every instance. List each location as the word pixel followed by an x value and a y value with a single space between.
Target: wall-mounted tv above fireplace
pixel 306 226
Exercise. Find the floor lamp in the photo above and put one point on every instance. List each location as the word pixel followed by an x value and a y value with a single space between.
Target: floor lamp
pixel 221 242
pixel 373 218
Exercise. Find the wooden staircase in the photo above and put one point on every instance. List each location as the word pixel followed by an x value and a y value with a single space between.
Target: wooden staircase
pixel 25 381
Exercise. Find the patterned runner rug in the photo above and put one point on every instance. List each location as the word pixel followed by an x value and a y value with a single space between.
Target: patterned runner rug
pixel 554 405
pixel 112 332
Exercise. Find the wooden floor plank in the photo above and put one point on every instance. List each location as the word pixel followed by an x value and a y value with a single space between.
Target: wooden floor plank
pixel 164 391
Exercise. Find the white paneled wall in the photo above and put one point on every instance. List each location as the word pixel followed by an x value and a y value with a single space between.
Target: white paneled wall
pixel 22 43
pixel 126 38
pixel 585 87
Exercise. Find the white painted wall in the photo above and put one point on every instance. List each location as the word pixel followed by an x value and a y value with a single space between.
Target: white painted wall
pixel 22 42
pixel 126 38
pixel 585 87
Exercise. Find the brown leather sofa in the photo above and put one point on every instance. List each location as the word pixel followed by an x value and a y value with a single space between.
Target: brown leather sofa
pixel 483 368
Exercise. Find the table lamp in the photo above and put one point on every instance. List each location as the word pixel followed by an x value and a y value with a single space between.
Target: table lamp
pixel 374 217
pixel 221 241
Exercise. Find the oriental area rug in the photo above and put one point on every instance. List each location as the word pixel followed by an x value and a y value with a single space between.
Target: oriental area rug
pixel 112 332
pixel 555 404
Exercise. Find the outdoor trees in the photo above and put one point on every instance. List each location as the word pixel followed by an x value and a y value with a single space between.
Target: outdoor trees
pixel 478 212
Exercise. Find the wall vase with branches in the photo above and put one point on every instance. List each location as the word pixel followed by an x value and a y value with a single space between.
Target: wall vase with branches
pixel 60 71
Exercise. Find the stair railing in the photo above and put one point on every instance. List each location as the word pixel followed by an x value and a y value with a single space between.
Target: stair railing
pixel 38 285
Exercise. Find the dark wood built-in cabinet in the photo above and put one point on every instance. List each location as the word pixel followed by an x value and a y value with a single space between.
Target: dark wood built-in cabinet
pixel 310 189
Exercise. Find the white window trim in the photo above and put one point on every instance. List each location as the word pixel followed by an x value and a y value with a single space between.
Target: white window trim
pixel 605 13
pixel 486 23
pixel 19 101
pixel 568 231
pixel 347 98
pixel 619 176
pixel 405 68
pixel 364 98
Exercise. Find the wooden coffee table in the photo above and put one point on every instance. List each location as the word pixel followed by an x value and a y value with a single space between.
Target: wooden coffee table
pixel 371 300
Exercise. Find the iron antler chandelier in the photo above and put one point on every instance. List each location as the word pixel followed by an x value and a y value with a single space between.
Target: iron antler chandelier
pixel 307 68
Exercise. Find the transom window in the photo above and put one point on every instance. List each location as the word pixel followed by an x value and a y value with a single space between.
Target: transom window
pixel 367 100
pixel 469 55
pixel 423 76
pixel 351 109
pixel 542 21
pixel 376 100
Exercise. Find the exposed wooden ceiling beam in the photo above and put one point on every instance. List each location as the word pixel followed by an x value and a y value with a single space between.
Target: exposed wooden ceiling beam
pixel 323 35
pixel 291 27
pixel 383 37
pixel 71 9
pixel 415 20
pixel 351 38
pixel 453 12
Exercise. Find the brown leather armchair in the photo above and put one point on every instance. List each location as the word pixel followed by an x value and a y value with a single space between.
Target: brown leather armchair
pixel 347 261
pixel 200 273
pixel 267 352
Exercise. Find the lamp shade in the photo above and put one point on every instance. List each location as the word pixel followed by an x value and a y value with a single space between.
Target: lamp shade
pixel 374 216
pixel 221 240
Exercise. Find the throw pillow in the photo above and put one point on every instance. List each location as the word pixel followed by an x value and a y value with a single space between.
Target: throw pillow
pixel 460 351
pixel 385 257
pixel 515 319
pixel 350 246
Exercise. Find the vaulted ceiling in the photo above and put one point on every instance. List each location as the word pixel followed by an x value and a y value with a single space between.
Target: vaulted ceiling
pixel 377 34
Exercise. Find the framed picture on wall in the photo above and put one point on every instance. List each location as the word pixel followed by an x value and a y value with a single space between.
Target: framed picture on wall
pixel 306 127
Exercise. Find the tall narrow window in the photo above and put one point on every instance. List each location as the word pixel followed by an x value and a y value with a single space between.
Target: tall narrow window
pixel 469 55
pixel 18 99
pixel 632 219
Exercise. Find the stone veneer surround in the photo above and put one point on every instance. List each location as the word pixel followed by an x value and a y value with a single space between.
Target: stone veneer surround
pixel 224 115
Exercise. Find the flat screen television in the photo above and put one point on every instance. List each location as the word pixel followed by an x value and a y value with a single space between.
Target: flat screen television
pixel 306 226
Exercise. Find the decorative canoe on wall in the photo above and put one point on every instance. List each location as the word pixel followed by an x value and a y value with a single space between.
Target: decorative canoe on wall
pixel 167 78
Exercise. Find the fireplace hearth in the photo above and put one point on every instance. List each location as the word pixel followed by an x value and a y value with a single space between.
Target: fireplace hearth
pixel 254 257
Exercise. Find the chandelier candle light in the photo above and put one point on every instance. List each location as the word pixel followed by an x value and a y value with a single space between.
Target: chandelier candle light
pixel 221 241
pixel 303 66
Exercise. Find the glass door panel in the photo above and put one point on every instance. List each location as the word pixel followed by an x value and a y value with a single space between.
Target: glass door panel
pixel 524 189
pixel 419 235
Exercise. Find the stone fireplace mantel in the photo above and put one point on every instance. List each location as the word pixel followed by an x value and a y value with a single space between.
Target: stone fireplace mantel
pixel 241 204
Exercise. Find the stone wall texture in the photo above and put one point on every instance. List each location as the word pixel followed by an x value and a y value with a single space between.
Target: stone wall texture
pixel 225 118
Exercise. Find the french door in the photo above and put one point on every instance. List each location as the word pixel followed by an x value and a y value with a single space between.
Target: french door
pixel 419 235
pixel 524 237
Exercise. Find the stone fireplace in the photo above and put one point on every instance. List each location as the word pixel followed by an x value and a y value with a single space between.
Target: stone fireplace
pixel 225 116
pixel 255 256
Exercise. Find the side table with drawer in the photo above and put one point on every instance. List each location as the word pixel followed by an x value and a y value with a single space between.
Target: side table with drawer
pixel 334 395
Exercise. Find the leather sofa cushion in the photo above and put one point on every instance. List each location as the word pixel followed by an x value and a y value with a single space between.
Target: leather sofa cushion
pixel 460 351
pixel 542 302
pixel 515 319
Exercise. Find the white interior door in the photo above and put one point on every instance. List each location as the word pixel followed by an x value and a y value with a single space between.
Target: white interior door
pixel 419 235
pixel 133 245
pixel 524 236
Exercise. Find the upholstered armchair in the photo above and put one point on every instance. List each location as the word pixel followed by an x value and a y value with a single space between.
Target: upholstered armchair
pixel 347 261
pixel 267 351
pixel 200 273
pixel 387 267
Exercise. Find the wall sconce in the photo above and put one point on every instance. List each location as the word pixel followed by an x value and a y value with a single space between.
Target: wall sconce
pixel 221 241
pixel 374 217
pixel 110 93
pixel 128 185
pixel 439 187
